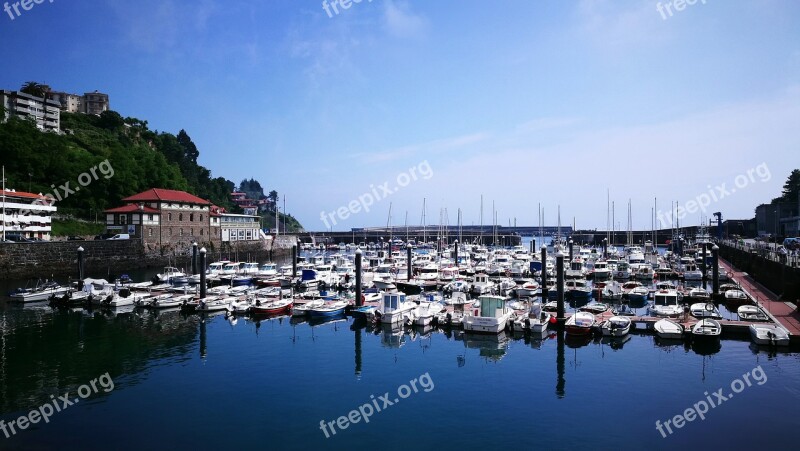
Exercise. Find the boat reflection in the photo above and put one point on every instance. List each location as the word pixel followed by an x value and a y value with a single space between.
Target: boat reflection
pixel 492 347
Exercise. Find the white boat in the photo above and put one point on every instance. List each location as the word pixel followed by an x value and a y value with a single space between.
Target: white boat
pixel 482 285
pixel 426 312
pixel 493 317
pixel 751 313
pixel 612 291
pixel 769 335
pixel 170 301
pixel 578 288
pixel 41 292
pixel 700 294
pixel 214 304
pixel 460 310
pixel 707 328
pixel 736 295
pixel 528 289
pixel 395 308
pixel 303 309
pixel 169 274
pixel 644 272
pixel 638 294
pixel 705 310
pixel 668 329
pixel 122 298
pixel 666 303
pixel 536 321
pixel 240 305
pixel 691 272
pixel 616 326
pixel 459 285
pixel 601 270
pixel 580 323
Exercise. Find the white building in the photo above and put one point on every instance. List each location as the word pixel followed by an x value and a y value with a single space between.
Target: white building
pixel 240 227
pixel 25 215
pixel 47 117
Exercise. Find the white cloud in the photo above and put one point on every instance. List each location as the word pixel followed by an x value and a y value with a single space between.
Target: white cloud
pixel 401 22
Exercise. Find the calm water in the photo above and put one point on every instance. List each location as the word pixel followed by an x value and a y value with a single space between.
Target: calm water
pixel 209 383
pixel 215 383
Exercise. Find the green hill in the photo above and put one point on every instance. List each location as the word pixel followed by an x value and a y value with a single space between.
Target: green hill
pixel 136 159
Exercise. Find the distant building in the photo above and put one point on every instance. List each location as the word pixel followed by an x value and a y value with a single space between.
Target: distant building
pixel 163 219
pixel 777 219
pixel 240 227
pixel 249 206
pixel 745 228
pixel 47 115
pixel 70 103
pixel 25 215
pixel 95 103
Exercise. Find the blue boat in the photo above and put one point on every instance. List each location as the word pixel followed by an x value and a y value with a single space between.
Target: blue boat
pixel 335 308
pixel 362 312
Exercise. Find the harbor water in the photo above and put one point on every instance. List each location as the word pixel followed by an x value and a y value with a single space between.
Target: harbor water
pixel 171 380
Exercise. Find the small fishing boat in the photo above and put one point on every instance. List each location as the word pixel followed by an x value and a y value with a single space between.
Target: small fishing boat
pixel 212 304
pixel 460 311
pixel 395 308
pixel 699 294
pixel 41 292
pixel 638 294
pixel 366 311
pixel 528 289
pixel 240 306
pixel 536 321
pixel 668 329
pixel 612 291
pixel 169 301
pixel 580 323
pixel 493 317
pixel 426 312
pixel 769 335
pixel 751 313
pixel 707 329
pixel 728 286
pixel 303 309
pixel 261 306
pixel 736 295
pixel 578 289
pixel 705 310
pixel 328 309
pixel 596 308
pixel 616 326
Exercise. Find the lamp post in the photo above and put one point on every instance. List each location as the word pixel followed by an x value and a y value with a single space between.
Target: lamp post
pixel 203 273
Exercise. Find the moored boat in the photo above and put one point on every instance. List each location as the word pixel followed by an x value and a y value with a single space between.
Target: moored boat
pixel 580 323
pixel 616 326
pixel 668 329
pixel 769 335
pixel 707 329
pixel 493 316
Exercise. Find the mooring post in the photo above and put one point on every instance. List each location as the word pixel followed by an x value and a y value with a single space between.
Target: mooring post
pixel 456 252
pixel 560 287
pixel 408 260
pixel 294 261
pixel 571 256
pixel 703 263
pixel 203 273
pixel 605 247
pixel 194 258
pixel 545 293
pixel 358 278
pixel 715 263
pixel 80 266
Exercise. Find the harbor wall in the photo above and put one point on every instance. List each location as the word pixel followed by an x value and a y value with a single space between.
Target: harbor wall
pixel 781 279
pixel 60 258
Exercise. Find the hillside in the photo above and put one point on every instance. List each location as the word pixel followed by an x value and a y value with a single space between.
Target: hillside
pixel 126 155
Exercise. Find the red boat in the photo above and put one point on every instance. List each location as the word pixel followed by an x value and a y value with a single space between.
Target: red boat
pixel 580 323
pixel 272 307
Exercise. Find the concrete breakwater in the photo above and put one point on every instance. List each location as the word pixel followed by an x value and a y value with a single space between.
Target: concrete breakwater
pixel 59 258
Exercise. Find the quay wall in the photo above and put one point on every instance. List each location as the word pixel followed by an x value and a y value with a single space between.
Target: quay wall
pixel 60 258
pixel 779 278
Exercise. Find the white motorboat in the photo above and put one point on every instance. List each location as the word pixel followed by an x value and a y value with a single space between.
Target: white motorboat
pixel 41 292
pixel 751 313
pixel 707 328
pixel 240 305
pixel 460 310
pixel 395 308
pixel 536 321
pixel 769 335
pixel 580 323
pixel 211 304
pixel 668 329
pixel 612 291
pixel 700 294
pixel 458 285
pixel 736 295
pixel 170 301
pixel 169 274
pixel 426 312
pixel 528 289
pixel 616 326
pixel 482 285
pixel 666 303
pixel 691 272
pixel 601 270
pixel 578 289
pixel 705 310
pixel 493 317
pixel 303 309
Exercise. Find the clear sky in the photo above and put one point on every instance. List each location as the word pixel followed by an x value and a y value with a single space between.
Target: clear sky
pixel 523 102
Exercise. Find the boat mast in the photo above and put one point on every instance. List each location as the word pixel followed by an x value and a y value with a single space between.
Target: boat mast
pixel 424 224
pixel 481 233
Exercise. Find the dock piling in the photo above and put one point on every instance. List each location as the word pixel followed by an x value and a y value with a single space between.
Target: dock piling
pixel 358 278
pixel 294 261
pixel 203 273
pixel 715 263
pixel 80 265
pixel 703 263
pixel 408 260
pixel 560 286
pixel 545 291
pixel 194 258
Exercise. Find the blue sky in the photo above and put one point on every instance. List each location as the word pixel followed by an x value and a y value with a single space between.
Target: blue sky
pixel 523 102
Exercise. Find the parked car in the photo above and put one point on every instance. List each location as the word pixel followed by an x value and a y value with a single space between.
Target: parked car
pixel 74 238
pixel 121 236
pixel 104 236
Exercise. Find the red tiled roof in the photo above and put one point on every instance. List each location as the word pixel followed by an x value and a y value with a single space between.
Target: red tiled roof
pixel 22 194
pixel 169 195
pixel 132 208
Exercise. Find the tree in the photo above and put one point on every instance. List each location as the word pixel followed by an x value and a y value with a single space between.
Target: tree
pixel 110 120
pixel 792 187
pixel 190 152
pixel 273 196
pixel 33 88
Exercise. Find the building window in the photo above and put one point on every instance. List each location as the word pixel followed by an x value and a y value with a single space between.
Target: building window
pixel 191 217
pixel 201 218
pixel 180 216
pixel 169 216
pixel 122 219
pixel 201 232
pixel 150 232
pixel 181 232
pixel 191 232
pixel 170 232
